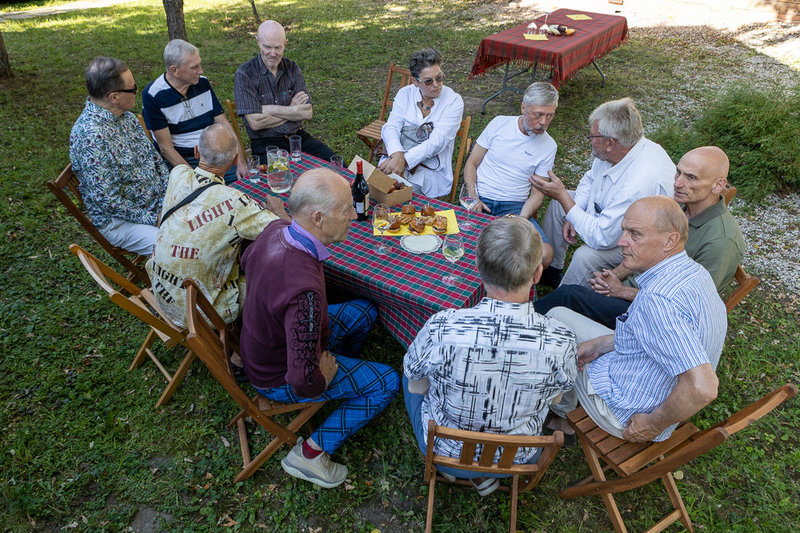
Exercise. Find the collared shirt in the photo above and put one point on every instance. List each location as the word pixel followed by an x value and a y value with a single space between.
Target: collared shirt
pixel 185 116
pixel 605 192
pixel 494 368
pixel 437 151
pixel 676 322
pixel 202 240
pixel 120 172
pixel 254 86
pixel 301 238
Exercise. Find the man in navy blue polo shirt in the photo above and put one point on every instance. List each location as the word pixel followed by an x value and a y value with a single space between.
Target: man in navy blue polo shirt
pixel 180 104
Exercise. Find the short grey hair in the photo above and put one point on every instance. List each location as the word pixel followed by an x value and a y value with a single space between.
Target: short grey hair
pixel 620 120
pixel 317 195
pixel 104 76
pixel 423 59
pixel 176 51
pixel 540 93
pixel 509 252
pixel 218 146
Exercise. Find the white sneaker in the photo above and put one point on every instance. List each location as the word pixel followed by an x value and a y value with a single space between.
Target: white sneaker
pixel 320 470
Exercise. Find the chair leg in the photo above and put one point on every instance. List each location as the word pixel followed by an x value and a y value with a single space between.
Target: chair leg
pixel 429 516
pixel 512 526
pixel 608 499
pixel 177 377
pixel 677 501
pixel 142 353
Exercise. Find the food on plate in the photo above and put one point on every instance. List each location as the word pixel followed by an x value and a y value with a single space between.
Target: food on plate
pixel 406 219
pixel 397 186
pixel 439 224
pixel 409 209
pixel 428 221
pixel 427 210
pixel 417 226
pixel 394 227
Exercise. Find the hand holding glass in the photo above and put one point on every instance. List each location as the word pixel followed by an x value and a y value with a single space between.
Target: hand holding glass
pixel 381 222
pixel 453 250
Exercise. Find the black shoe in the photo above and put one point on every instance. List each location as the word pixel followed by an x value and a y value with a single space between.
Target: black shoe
pixel 551 277
pixel 238 374
pixel 570 441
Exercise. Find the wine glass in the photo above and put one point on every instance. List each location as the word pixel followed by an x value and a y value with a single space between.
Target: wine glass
pixel 452 249
pixel 381 222
pixel 468 202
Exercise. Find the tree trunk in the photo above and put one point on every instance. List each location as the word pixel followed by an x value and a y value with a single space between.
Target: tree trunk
pixel 175 24
pixel 5 66
pixel 255 12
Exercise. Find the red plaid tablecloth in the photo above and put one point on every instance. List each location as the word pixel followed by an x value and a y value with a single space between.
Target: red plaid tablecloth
pixel 406 287
pixel 566 54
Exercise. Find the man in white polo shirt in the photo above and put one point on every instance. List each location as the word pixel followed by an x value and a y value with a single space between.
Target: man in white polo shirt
pixel 508 153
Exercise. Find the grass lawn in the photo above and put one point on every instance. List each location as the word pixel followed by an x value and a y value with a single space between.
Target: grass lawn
pixel 82 446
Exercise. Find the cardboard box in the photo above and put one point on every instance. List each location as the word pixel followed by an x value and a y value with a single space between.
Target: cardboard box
pixel 379 184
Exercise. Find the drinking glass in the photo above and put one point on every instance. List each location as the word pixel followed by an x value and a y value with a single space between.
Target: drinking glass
pixel 279 177
pixel 254 169
pixel 337 161
pixel 453 250
pixel 468 202
pixel 295 147
pixel 381 222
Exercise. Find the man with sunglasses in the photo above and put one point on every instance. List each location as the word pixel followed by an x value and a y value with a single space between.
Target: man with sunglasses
pixel 122 176
pixel 626 167
pixel 272 97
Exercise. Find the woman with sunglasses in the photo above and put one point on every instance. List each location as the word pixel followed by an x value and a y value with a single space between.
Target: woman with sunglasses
pixel 420 132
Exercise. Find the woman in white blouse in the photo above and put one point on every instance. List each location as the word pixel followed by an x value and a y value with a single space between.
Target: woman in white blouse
pixel 421 130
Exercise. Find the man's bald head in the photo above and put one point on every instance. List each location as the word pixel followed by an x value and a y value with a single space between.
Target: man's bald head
pixel 322 204
pixel 666 215
pixel 271 39
pixel 218 145
pixel 701 176
pixel 269 29
pixel 653 229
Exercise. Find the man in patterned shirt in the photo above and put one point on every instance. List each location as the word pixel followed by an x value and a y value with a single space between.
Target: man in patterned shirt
pixel 495 367
pixel 122 176
pixel 658 368
pixel 271 95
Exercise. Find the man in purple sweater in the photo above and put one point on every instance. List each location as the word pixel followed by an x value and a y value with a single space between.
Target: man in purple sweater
pixel 297 348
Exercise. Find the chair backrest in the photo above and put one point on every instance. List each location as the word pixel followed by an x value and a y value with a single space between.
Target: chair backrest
pixel 405 79
pixel 233 118
pixel 508 444
pixel 728 193
pixel 66 183
pixel 144 127
pixel 463 149
pixel 745 282
pixel 214 342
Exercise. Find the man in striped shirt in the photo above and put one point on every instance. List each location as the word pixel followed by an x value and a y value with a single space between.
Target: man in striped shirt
pixel 658 368
pixel 178 105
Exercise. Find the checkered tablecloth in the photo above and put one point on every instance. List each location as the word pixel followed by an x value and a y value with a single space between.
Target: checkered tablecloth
pixel 566 54
pixel 407 288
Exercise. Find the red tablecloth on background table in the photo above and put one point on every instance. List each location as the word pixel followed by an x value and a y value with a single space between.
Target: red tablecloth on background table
pixel 566 54
pixel 406 287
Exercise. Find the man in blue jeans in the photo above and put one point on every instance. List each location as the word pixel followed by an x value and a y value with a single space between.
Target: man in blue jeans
pixel 511 150
pixel 297 348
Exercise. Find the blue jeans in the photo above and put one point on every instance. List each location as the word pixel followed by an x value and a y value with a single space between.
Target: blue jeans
pixel 414 408
pixel 598 307
pixel 498 208
pixel 366 387
pixel 230 175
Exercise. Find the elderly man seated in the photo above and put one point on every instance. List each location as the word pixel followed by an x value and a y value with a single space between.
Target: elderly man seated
pixel 202 228
pixel 495 367
pixel 122 177
pixel 508 153
pixel 294 345
pixel 715 242
pixel 626 167
pixel 657 368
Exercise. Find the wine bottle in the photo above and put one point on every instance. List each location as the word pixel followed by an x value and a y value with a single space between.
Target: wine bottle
pixel 360 190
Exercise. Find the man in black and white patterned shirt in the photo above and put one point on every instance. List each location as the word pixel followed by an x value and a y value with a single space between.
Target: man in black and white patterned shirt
pixel 497 366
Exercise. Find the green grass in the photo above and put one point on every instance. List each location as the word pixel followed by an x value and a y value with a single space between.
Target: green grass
pixel 81 441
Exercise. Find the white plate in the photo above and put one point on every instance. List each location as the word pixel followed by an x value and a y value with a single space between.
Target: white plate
pixel 420 244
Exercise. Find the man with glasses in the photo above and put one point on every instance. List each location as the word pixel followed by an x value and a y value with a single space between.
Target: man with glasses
pixel 178 105
pixel 509 152
pixel 122 176
pixel 271 95
pixel 626 167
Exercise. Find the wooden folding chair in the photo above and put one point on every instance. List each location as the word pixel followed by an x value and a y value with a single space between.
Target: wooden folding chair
pixel 233 118
pixel 508 445
pixel 463 150
pixel 67 182
pixel 214 344
pixel 371 134
pixel 142 304
pixel 144 126
pixel 630 460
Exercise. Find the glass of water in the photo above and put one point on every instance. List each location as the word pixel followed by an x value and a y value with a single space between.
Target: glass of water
pixel 254 169
pixel 381 222
pixel 468 202
pixel 453 250
pixel 279 176
pixel 296 147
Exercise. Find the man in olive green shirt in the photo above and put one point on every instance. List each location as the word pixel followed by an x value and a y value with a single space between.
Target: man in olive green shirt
pixel 715 242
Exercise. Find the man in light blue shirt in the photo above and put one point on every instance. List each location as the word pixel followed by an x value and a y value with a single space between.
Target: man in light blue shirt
pixel 658 368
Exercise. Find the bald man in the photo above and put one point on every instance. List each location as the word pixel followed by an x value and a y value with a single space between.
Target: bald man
pixel 658 368
pixel 715 242
pixel 297 348
pixel 271 94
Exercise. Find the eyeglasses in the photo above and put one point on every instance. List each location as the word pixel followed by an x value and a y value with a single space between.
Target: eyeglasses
pixel 133 90
pixel 590 136
pixel 429 81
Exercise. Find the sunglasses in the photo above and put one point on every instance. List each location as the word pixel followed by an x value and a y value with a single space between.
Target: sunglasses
pixel 133 90
pixel 428 82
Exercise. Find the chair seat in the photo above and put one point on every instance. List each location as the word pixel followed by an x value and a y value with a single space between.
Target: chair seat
pixel 371 131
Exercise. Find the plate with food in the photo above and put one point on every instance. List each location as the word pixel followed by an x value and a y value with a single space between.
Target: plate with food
pixel 421 244
pixel 426 221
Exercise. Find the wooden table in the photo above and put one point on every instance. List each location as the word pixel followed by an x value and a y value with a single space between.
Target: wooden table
pixel 565 55
pixel 407 287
